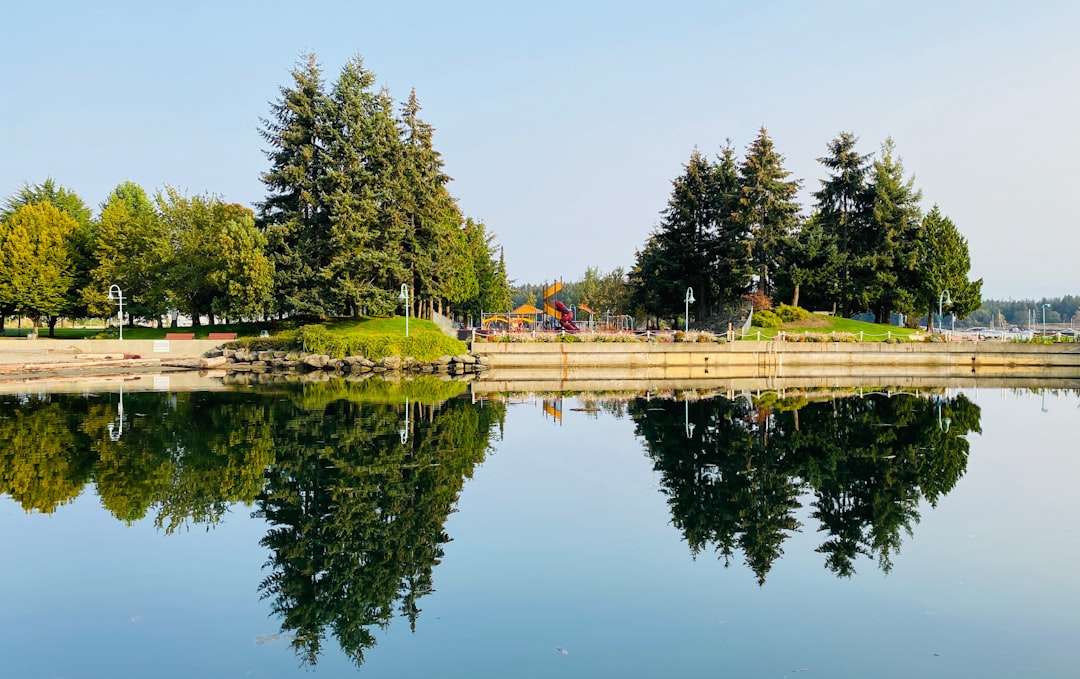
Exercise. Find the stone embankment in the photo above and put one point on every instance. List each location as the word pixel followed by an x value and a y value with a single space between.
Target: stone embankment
pixel 239 361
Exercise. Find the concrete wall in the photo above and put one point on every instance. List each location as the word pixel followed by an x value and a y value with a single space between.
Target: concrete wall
pixel 772 355
pixel 44 350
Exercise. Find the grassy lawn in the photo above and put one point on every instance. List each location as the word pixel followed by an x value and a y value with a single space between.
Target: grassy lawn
pixel 820 324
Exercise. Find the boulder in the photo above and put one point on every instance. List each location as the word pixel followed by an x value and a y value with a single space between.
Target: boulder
pixel 213 362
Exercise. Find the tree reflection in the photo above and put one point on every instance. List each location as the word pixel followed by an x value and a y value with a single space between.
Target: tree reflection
pixel 867 463
pixel 356 509
pixel 358 515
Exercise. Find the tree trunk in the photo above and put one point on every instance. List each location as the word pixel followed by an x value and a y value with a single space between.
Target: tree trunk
pixel 795 297
pixel 52 325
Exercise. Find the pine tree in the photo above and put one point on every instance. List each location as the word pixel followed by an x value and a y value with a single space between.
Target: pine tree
pixel 889 282
pixel 844 214
pixel 767 207
pixel 293 215
pixel 431 217
pixel 364 183
pixel 943 265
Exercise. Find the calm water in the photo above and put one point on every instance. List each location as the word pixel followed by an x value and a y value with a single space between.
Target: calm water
pixel 404 531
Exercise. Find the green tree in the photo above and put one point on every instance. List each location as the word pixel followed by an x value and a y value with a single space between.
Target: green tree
pixel 364 266
pixel 432 218
pixel 244 277
pixel 812 263
pixel 698 244
pixel 133 250
pixel 35 261
pixel 483 273
pixel 889 283
pixel 294 216
pixel 767 207
pixel 844 214
pixel 943 264
pixel 82 240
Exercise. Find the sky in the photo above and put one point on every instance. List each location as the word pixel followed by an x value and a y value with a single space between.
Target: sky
pixel 563 124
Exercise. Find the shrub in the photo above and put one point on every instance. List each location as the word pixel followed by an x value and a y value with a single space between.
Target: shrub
pixel 767 319
pixel 760 300
pixel 791 314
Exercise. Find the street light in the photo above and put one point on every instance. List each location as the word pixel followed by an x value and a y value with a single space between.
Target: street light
pixel 686 317
pixel 115 294
pixel 1045 306
pixel 948 300
pixel 404 296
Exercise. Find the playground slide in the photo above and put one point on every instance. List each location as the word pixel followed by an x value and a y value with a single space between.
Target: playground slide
pixel 566 319
pixel 548 292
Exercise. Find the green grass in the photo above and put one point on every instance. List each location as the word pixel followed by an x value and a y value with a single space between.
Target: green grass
pixel 376 338
pixel 871 332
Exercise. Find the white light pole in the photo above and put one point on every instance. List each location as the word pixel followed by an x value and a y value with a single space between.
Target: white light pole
pixel 948 300
pixel 1044 308
pixel 118 297
pixel 686 317
pixel 404 296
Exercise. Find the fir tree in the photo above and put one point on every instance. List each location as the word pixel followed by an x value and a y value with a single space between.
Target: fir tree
pixel 767 207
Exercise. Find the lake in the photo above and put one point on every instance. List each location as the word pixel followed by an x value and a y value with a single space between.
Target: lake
pixel 409 529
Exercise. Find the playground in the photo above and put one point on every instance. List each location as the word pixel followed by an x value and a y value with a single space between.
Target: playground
pixel 554 317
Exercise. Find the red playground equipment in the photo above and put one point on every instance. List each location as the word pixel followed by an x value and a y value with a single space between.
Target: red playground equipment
pixel 566 318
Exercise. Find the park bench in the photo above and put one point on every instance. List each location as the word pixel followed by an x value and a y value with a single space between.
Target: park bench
pixel 179 335
pixel 222 336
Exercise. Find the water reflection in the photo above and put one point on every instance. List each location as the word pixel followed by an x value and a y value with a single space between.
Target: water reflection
pixel 355 479
pixel 737 470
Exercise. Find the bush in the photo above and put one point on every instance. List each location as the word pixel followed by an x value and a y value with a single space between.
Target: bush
pixel 766 319
pixel 760 300
pixel 791 314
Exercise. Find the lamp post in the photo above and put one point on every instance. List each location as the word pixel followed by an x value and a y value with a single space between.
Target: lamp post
pixel 1045 306
pixel 948 300
pixel 686 317
pixel 404 296
pixel 115 294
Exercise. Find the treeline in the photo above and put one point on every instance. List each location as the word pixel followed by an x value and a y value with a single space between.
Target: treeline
pixel 1027 312
pixel 196 256
pixel 733 226
pixel 357 205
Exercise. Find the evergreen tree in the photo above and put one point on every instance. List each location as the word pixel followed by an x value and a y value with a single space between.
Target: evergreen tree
pixel 943 265
pixel 484 274
pixel 890 283
pixel 844 215
pixel 697 243
pixel 363 199
pixel 293 215
pixel 432 219
pixel 812 263
pixel 767 207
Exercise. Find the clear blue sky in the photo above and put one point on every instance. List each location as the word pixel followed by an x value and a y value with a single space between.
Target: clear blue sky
pixel 563 123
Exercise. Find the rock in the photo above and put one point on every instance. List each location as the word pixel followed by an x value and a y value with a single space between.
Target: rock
pixel 213 362
pixel 468 359
pixel 390 362
pixel 444 360
pixel 265 356
pixel 317 361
